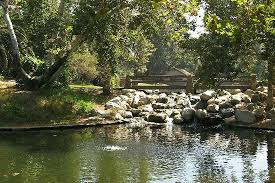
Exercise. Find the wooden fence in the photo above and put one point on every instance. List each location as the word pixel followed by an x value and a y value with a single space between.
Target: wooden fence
pixel 185 82
pixel 243 83
pixel 161 82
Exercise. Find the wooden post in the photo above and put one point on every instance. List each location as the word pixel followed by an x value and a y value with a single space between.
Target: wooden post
pixel 253 81
pixel 128 83
pixel 190 84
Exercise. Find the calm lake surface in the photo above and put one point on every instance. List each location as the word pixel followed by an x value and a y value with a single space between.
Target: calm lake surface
pixel 131 154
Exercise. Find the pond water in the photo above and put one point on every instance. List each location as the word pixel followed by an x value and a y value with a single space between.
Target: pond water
pixel 131 154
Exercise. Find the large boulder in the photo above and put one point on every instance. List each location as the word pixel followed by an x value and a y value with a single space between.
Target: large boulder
pixel 201 114
pixel 212 108
pixel 227 112
pixel 245 116
pixel 188 114
pixel 205 96
pixel 158 117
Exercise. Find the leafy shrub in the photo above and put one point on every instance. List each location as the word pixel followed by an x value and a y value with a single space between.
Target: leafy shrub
pixel 33 65
pixel 82 67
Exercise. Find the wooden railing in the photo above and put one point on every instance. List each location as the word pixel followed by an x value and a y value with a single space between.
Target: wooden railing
pixel 243 83
pixel 161 82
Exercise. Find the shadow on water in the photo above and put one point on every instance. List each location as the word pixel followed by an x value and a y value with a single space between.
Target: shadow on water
pixel 127 153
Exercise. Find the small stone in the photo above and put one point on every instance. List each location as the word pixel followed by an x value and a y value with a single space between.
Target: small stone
pixel 178 119
pixel 159 106
pixel 126 114
pixel 118 116
pixel 225 105
pixel 158 118
pixel 213 108
pixel 227 112
pixel 260 113
pixel 205 96
pixel 136 112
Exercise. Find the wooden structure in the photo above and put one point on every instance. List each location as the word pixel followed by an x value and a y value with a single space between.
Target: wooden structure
pixel 161 82
pixel 243 83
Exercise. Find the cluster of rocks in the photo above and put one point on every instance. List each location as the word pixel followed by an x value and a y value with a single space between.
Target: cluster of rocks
pixel 209 107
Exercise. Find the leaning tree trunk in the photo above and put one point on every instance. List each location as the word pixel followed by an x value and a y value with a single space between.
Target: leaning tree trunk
pixel 36 81
pixel 15 48
pixel 270 100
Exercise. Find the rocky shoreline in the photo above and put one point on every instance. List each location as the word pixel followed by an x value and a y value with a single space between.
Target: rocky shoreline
pixel 208 108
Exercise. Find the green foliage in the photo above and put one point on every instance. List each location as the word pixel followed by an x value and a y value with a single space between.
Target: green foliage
pixel 33 65
pixel 82 67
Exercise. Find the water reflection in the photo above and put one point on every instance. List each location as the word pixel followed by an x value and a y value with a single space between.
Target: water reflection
pixel 147 154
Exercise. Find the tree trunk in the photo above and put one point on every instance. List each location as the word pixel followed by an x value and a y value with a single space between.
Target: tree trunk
pixel 37 81
pixel 270 100
pixel 107 88
pixel 20 72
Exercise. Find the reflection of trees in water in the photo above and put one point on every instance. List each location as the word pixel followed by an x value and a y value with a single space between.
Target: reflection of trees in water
pixel 39 156
pixel 157 152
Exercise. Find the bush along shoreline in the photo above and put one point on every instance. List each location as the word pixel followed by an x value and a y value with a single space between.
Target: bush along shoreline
pixel 208 108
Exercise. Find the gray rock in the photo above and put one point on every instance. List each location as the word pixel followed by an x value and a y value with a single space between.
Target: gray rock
pixel 112 105
pixel 245 116
pixel 146 108
pixel 126 91
pixel 178 119
pixel 126 114
pixel 194 99
pixel 249 92
pixel 124 98
pixel 163 100
pixel 235 91
pixel 136 112
pixel 159 106
pixel 158 118
pixel 99 113
pixel 188 114
pixel 175 112
pixel 201 114
pixel 148 92
pixel 156 91
pixel 230 120
pixel 201 105
pixel 227 112
pixel 144 115
pixel 205 96
pixel 213 108
pixel 135 102
pixel 118 116
pixel 260 113
pixel 185 102
pixel 236 99
pixel 225 105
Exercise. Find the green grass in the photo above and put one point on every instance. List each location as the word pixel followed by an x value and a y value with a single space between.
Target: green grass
pixel 76 86
pixel 47 106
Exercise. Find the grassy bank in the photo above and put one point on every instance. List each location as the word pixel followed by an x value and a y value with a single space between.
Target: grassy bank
pixel 47 106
